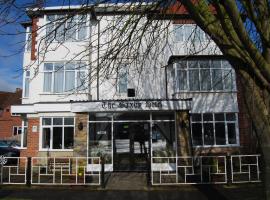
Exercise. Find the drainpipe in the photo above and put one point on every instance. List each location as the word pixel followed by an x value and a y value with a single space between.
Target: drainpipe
pixel 98 60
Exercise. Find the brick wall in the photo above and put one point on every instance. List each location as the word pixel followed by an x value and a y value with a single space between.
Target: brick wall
pixel 32 139
pixel 247 139
pixel 6 124
pixel 34 38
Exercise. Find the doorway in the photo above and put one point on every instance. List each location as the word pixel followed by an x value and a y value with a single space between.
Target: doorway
pixel 131 146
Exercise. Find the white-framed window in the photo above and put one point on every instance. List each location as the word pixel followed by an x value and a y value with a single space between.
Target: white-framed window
pixel 122 79
pixel 28 38
pixel 26 83
pixel 60 77
pixel 214 129
pixel 204 75
pixel 62 28
pixel 24 133
pixel 17 130
pixel 189 32
pixel 57 133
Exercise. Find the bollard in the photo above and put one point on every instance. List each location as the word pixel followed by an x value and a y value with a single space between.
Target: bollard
pixel 28 171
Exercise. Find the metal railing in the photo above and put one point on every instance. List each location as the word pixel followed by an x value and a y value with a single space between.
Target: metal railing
pixel 13 170
pixel 205 169
pixel 189 170
pixel 64 171
pixel 245 168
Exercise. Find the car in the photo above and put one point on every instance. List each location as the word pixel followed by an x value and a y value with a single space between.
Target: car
pixel 9 143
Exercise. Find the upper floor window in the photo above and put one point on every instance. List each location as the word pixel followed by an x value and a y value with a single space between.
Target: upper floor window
pixel 26 83
pixel 204 75
pixel 66 28
pixel 189 32
pixel 122 79
pixel 64 77
pixel 29 38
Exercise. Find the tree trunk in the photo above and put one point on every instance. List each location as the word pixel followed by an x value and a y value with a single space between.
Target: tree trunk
pixel 258 102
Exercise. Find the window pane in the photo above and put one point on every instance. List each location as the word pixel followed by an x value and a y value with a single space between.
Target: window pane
pixel 219 117
pixel 69 121
pixel 178 33
pixel 50 18
pixel 193 64
pixel 57 138
pixel 226 64
pixel 220 133
pixel 58 81
pixel 46 135
pixel 25 137
pixel 19 130
pixel 71 31
pixel 47 82
pixel 231 133
pixel 188 32
pixel 70 66
pixel 57 121
pixel 48 66
pixel 46 121
pixel 229 80
pixel 194 81
pixel 69 81
pixel 208 134
pixel 15 130
pixel 60 28
pixel 205 80
pixel 68 137
pixel 182 65
pixel 50 33
pixel 81 79
pixel 122 80
pixel 216 64
pixel 230 117
pixel 196 117
pixel 204 64
pixel 182 79
pixel 207 117
pixel 82 31
pixel 197 134
pixel 217 79
pixel 26 87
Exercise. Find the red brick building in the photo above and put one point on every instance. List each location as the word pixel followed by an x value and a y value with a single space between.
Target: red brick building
pixel 10 124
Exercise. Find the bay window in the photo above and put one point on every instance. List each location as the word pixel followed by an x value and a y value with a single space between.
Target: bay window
pixel 204 75
pixel 63 77
pixel 57 133
pixel 214 129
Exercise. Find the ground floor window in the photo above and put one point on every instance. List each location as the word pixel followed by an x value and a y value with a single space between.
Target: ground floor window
pixel 214 129
pixel 17 130
pixel 57 133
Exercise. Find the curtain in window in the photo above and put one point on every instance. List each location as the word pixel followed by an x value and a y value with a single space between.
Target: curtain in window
pixel 70 81
pixel 58 81
pixel 47 81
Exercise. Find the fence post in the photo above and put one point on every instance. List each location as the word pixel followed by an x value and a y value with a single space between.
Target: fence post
pixel 102 172
pixel 28 171
pixel 229 169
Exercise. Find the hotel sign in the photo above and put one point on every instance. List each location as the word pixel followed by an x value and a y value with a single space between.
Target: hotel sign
pixel 131 105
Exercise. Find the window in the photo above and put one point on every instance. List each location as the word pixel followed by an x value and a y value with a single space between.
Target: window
pixel 66 28
pixel 29 39
pixel 205 75
pixel 188 32
pixel 26 83
pixel 57 133
pixel 122 79
pixel 24 133
pixel 210 129
pixel 17 130
pixel 64 77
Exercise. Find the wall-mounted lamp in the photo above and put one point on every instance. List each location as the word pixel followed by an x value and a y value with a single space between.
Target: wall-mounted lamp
pixel 80 126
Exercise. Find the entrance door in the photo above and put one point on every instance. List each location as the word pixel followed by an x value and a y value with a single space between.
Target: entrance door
pixel 131 146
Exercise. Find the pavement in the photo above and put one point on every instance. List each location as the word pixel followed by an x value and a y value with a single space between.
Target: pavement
pixel 131 186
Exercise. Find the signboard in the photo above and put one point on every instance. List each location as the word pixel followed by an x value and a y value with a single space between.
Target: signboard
pixel 131 105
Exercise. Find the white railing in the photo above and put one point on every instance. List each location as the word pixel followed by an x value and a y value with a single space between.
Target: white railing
pixel 189 170
pixel 64 171
pixel 245 168
pixel 13 170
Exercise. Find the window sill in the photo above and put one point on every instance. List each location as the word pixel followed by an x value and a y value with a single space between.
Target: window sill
pixel 217 146
pixel 62 94
pixel 187 91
